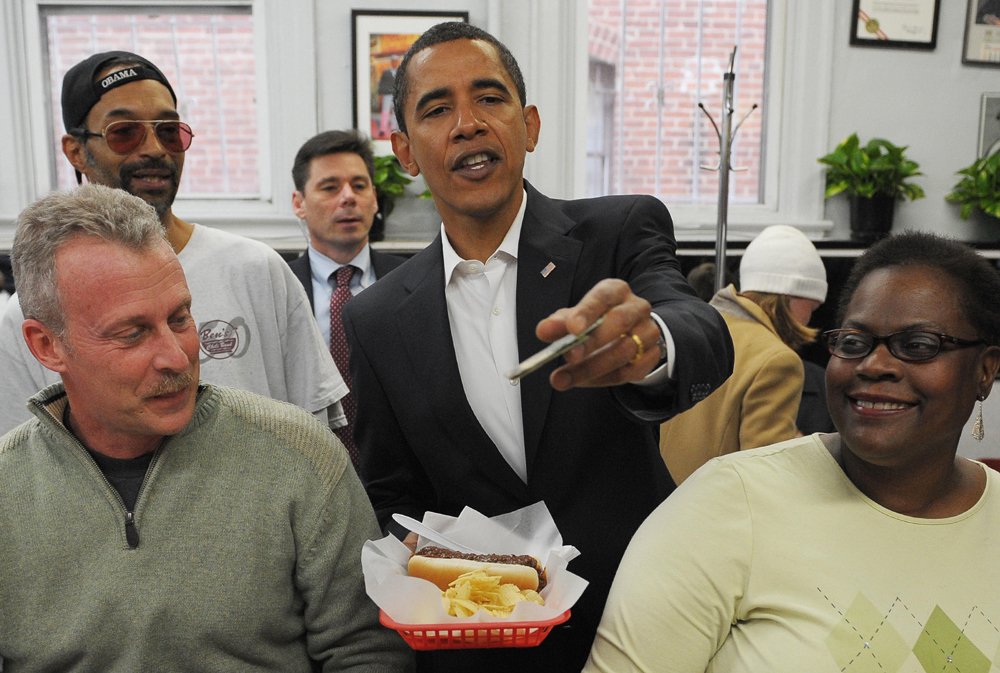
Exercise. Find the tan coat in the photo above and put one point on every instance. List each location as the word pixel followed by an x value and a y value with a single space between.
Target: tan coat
pixel 755 407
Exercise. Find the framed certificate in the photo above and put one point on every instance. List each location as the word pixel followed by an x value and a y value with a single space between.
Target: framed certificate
pixel 899 24
pixel 982 33
pixel 989 126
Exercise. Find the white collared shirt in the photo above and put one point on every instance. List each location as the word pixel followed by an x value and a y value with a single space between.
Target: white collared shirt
pixel 481 311
pixel 322 268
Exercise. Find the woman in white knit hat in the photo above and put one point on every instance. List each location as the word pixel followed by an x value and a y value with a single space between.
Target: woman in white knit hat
pixel 782 281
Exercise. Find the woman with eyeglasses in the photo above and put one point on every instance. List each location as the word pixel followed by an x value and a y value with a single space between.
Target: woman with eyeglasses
pixel 871 549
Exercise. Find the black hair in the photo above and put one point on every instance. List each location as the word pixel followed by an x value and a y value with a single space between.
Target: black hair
pixel 702 279
pixel 979 280
pixel 331 142
pixel 448 32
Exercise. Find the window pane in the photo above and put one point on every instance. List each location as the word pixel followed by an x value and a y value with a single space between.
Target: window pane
pixel 698 36
pixel 209 61
pixel 600 126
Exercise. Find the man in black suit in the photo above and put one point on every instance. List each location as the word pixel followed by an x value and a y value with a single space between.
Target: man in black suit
pixel 439 425
pixel 335 196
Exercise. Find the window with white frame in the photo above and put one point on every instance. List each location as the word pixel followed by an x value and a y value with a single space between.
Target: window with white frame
pixel 207 54
pixel 666 57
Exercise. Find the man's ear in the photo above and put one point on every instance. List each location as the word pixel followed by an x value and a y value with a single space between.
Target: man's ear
pixel 47 348
pixel 74 150
pixel 533 124
pixel 298 199
pixel 401 148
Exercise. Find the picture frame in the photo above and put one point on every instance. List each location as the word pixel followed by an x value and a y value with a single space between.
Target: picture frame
pixel 982 33
pixel 379 39
pixel 902 24
pixel 989 125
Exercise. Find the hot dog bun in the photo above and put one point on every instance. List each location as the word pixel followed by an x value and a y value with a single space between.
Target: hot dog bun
pixel 443 571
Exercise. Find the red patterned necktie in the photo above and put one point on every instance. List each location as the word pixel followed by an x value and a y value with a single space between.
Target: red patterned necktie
pixel 338 349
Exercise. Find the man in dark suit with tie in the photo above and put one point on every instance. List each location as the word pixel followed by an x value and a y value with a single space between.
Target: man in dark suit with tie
pixel 335 195
pixel 439 425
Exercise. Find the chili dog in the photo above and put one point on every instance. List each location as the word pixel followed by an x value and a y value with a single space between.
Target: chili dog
pixel 442 566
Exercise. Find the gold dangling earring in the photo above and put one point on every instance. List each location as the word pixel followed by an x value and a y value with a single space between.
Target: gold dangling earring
pixel 977 427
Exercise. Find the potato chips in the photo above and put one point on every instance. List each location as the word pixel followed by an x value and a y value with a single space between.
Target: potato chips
pixel 477 590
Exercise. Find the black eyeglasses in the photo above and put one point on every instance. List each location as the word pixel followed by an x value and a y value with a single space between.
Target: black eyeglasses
pixel 909 345
pixel 124 136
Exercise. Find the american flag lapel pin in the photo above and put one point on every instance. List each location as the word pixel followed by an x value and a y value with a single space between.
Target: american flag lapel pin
pixel 548 269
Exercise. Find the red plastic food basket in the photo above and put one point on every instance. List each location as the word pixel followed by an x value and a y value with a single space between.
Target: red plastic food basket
pixel 470 636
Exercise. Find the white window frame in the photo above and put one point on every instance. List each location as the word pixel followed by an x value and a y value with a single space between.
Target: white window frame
pixel 795 132
pixel 286 112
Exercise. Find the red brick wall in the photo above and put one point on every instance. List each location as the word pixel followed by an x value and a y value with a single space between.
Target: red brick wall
pixel 223 157
pixel 681 119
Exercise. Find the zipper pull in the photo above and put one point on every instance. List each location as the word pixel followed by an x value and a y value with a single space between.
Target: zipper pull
pixel 131 534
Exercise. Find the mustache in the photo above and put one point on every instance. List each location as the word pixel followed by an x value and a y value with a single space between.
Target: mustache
pixel 172 383
pixel 127 171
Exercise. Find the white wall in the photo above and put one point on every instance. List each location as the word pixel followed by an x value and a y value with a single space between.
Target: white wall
pixel 16 179
pixel 928 101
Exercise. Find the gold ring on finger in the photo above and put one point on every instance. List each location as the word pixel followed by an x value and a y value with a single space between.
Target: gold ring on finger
pixel 638 342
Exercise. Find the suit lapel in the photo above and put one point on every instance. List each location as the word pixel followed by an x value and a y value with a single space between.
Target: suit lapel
pixel 424 328
pixel 379 264
pixel 303 271
pixel 543 242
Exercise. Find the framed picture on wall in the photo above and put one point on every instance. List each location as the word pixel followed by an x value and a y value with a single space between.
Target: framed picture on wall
pixel 901 24
pixel 982 33
pixel 379 39
pixel 989 125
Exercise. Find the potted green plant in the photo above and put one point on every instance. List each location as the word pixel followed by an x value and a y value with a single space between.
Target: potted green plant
pixel 979 188
pixel 390 181
pixel 874 176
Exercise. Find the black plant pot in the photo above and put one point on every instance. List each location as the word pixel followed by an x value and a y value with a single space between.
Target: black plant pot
pixel 385 206
pixel 871 217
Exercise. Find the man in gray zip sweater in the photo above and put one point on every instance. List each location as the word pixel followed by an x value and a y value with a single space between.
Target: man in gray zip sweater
pixel 149 522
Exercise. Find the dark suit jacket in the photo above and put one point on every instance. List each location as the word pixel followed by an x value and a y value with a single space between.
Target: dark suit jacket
pixel 596 465
pixel 382 263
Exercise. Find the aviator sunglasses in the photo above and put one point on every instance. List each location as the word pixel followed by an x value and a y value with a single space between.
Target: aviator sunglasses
pixel 909 345
pixel 124 136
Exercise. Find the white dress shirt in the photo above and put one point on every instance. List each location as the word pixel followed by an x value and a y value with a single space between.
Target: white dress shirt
pixel 322 267
pixel 481 310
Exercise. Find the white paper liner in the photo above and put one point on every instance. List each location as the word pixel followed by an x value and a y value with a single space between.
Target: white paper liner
pixel 530 530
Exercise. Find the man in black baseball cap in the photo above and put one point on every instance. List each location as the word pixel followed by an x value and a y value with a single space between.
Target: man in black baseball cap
pixel 82 89
pixel 123 130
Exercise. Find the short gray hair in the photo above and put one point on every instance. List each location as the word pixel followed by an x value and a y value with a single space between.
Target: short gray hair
pixel 45 226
